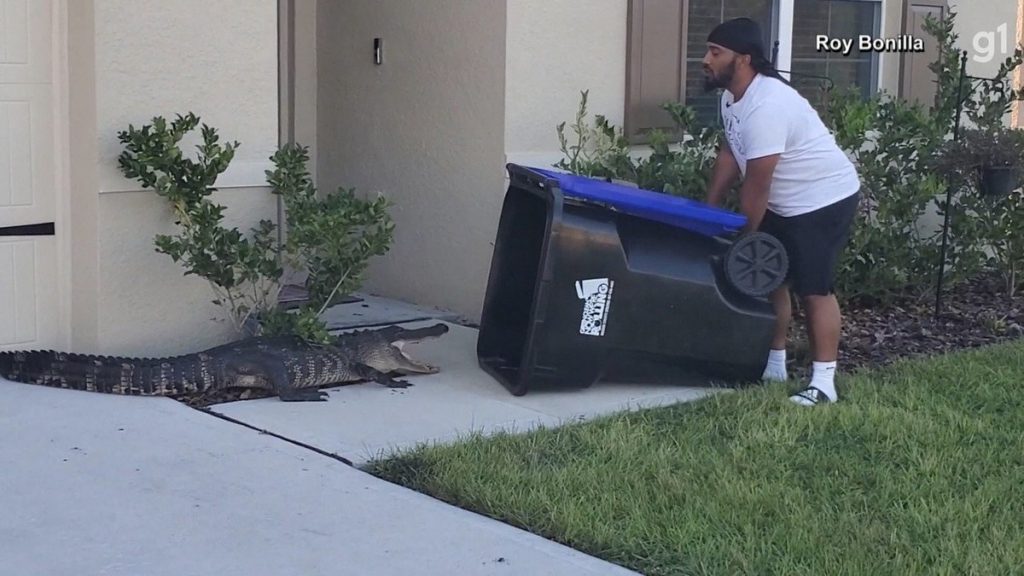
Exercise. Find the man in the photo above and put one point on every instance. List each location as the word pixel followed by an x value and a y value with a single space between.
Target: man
pixel 798 186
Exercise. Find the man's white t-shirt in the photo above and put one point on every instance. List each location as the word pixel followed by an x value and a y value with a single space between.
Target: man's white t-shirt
pixel 773 118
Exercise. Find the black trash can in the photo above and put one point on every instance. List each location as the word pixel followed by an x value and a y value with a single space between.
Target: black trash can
pixel 591 279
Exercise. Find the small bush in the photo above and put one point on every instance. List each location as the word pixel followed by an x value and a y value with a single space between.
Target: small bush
pixel 891 141
pixel 984 232
pixel 330 239
pixel 678 167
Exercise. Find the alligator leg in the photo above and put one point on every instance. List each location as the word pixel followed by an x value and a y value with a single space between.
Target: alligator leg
pixel 285 391
pixel 302 395
pixel 370 373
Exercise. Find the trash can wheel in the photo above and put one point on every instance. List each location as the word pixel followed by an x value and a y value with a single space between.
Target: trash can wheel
pixel 756 264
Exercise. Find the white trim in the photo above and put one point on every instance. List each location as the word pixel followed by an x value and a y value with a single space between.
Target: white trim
pixel 60 77
pixel 239 174
pixel 785 61
pixel 881 67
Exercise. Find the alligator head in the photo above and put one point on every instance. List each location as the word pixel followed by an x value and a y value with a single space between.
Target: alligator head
pixel 384 349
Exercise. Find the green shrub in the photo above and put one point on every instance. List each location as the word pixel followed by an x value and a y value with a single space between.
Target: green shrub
pixel 330 239
pixel 1005 234
pixel 891 141
pixel 598 151
pixel 984 232
pixel 333 238
pixel 900 149
pixel 679 167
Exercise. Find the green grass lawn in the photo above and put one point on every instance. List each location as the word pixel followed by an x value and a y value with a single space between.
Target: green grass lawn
pixel 920 470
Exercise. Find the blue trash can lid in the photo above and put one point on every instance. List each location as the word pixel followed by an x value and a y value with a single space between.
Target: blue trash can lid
pixel 673 210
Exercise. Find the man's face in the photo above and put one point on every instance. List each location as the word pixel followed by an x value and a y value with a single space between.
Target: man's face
pixel 719 67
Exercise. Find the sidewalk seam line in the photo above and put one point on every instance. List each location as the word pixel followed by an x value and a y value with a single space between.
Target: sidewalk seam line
pixel 322 452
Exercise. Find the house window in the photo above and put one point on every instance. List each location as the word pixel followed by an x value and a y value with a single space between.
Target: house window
pixel 704 15
pixel 667 40
pixel 838 19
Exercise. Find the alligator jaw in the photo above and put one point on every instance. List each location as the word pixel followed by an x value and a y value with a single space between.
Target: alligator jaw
pixel 407 335
pixel 388 354
pixel 407 365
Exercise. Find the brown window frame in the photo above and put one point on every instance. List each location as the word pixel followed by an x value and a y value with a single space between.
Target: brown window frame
pixel 634 129
pixel 639 117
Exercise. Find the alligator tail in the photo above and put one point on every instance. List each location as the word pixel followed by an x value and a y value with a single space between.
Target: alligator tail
pixel 107 374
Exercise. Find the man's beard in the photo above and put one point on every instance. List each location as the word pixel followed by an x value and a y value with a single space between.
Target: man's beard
pixel 712 82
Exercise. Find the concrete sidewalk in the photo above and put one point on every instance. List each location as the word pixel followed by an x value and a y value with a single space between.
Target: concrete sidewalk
pixel 129 486
pixel 363 421
pixel 101 484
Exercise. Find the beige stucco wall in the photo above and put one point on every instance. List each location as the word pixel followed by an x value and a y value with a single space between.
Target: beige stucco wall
pixel 987 30
pixel 426 129
pixel 217 58
pixel 147 306
pixel 555 51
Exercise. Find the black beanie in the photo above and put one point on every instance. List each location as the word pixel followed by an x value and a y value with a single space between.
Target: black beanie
pixel 741 35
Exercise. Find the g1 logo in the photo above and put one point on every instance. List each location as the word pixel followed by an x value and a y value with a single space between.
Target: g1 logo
pixel 984 44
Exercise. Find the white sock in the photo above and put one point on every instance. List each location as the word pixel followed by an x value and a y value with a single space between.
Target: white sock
pixel 776 368
pixel 823 378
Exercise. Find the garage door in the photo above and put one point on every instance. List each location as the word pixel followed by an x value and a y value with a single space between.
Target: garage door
pixel 29 303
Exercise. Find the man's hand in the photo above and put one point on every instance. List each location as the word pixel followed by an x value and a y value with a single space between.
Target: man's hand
pixel 754 192
pixel 725 173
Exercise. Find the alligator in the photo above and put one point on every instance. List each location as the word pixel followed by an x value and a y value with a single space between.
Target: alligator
pixel 290 367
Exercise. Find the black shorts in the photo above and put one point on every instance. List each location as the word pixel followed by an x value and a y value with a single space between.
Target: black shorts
pixel 813 242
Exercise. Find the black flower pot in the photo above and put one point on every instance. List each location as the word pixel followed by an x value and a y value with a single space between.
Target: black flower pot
pixel 998 181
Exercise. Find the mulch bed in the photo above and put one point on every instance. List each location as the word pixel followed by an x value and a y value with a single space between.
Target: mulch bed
pixel 976 313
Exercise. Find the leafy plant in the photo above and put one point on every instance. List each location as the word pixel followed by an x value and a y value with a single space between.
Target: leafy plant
pixel 242 272
pixel 906 159
pixel 1006 240
pixel 978 148
pixel 331 239
pixel 983 230
pixel 679 167
pixel 991 229
pixel 598 151
pixel 891 142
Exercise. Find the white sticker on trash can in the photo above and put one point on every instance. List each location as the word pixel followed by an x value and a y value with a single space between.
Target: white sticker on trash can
pixel 596 294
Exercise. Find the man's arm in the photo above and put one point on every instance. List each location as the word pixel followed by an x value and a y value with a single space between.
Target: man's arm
pixel 724 175
pixel 754 192
pixel 765 135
